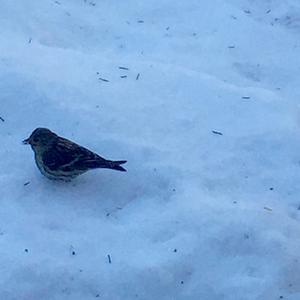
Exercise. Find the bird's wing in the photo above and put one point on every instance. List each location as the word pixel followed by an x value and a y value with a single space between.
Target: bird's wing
pixel 67 156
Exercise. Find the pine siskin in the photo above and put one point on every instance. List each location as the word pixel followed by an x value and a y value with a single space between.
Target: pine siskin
pixel 61 159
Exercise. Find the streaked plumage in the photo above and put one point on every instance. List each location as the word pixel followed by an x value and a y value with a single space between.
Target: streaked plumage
pixel 59 158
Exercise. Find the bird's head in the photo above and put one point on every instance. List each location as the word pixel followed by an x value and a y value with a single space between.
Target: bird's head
pixel 40 138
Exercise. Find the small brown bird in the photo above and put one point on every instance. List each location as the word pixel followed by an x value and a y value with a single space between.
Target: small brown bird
pixel 60 159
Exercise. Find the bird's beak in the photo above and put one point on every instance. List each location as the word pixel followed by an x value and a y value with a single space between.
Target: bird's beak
pixel 26 142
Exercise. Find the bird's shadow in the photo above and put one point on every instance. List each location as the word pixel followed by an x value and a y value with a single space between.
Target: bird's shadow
pixel 104 192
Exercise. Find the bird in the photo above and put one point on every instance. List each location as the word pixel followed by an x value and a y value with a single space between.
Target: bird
pixel 58 158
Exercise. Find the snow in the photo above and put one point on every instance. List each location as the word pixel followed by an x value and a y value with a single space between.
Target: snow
pixel 209 207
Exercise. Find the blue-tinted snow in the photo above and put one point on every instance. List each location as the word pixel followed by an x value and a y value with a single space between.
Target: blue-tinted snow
pixel 198 215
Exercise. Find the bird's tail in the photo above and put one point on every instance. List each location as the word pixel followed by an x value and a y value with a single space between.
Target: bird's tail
pixel 115 165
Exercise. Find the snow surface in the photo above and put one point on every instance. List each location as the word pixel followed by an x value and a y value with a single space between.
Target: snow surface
pixel 198 215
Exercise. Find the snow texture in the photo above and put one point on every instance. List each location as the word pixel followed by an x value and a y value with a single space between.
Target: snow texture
pixel 201 98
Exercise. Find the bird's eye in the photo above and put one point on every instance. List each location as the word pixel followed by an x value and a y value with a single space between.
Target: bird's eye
pixel 35 140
